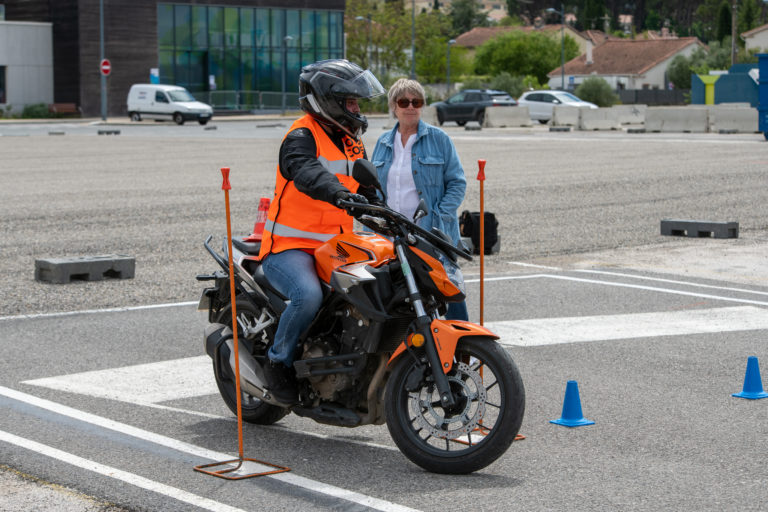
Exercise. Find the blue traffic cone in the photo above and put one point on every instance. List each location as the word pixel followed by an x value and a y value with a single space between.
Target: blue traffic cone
pixel 572 415
pixel 753 384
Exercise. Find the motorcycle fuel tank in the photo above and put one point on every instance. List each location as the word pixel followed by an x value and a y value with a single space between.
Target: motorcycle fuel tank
pixel 358 247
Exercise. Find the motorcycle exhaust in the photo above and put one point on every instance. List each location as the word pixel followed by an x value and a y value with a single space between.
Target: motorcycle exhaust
pixel 252 380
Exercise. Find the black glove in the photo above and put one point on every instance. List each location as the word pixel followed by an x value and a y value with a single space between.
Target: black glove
pixel 345 195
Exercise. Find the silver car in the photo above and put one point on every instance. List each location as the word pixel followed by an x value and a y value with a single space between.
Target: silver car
pixel 541 103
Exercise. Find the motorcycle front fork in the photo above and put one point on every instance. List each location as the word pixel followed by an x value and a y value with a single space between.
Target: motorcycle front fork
pixel 423 322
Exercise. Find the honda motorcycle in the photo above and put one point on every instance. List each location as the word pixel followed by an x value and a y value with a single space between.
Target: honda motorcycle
pixel 378 350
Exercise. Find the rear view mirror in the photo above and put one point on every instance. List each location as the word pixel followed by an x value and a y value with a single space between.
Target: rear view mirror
pixel 365 174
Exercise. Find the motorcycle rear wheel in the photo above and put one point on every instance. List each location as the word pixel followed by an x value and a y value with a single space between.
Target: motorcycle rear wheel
pixel 253 409
pixel 490 407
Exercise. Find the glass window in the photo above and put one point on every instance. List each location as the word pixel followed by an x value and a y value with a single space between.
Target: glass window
pixel 216 27
pixel 232 69
pixel 336 29
pixel 216 67
pixel 321 29
pixel 160 97
pixel 262 27
pixel 164 26
pixel 231 29
pixel 165 64
pixel 292 27
pixel 247 28
pixel 307 29
pixel 199 27
pixel 277 27
pixel 263 70
pixel 248 68
pixel 182 15
pixel 292 70
pixel 182 68
pixel 198 71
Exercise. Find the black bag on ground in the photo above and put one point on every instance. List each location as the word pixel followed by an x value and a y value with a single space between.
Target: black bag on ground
pixel 469 226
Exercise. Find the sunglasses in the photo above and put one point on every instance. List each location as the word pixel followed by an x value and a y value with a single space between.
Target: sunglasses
pixel 404 102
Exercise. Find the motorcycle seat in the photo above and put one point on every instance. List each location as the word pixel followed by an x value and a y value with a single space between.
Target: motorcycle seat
pixel 249 248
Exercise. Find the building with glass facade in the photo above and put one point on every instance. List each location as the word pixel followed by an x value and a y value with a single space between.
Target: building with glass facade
pixel 232 53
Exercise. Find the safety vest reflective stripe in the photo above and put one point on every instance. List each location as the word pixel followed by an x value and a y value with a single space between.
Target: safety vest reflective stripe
pixel 282 230
pixel 336 166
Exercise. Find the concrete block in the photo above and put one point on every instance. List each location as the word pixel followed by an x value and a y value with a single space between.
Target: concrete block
pixel 677 119
pixel 565 116
pixel 630 114
pixel 109 132
pixel 428 115
pixel 559 128
pixel 699 228
pixel 85 268
pixel 733 119
pixel 598 119
pixel 501 117
pixel 467 241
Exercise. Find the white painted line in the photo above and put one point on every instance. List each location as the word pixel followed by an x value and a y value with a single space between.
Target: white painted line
pixel 91 311
pixel 141 384
pixel 655 289
pixel 117 474
pixel 550 331
pixel 671 281
pixel 531 265
pixel 198 451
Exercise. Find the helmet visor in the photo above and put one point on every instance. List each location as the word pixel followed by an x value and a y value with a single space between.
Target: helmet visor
pixel 364 85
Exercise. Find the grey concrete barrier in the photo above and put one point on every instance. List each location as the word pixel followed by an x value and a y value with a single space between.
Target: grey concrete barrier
pixel 598 119
pixel 85 268
pixel 677 119
pixel 699 228
pixel 728 119
pixel 630 114
pixel 565 116
pixel 501 117
pixel 428 115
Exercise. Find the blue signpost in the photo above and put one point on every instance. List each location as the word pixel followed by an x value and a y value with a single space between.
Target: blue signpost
pixel 762 109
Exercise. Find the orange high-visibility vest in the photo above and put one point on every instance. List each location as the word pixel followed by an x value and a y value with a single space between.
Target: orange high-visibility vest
pixel 295 220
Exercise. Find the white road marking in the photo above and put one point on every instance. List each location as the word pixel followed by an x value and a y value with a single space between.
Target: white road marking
pixel 91 311
pixel 550 331
pixel 141 384
pixel 290 478
pixel 117 474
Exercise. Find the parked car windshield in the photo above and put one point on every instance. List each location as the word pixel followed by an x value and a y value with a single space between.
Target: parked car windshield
pixel 181 96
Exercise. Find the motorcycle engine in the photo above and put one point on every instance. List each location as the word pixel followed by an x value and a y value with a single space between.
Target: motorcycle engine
pixel 344 338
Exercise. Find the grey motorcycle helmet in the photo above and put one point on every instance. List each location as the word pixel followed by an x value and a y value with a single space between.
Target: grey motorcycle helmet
pixel 324 87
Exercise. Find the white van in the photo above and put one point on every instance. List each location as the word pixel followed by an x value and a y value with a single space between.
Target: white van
pixel 154 101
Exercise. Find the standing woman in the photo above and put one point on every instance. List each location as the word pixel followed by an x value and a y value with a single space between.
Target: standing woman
pixel 416 160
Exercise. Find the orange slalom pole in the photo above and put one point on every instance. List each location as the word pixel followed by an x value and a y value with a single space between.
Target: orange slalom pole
pixel 226 187
pixel 481 179
pixel 224 473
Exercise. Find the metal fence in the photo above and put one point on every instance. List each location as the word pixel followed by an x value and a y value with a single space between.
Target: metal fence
pixel 654 96
pixel 249 100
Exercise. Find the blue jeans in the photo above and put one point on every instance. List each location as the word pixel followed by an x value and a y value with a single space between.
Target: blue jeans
pixel 457 311
pixel 293 273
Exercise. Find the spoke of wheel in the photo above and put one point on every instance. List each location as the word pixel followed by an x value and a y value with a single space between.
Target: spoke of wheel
pixel 447 445
pixel 492 385
pixel 493 404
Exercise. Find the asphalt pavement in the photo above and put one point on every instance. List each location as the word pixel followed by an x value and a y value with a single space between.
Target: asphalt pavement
pixel 581 253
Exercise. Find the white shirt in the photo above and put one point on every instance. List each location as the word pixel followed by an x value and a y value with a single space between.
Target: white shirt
pixel 402 195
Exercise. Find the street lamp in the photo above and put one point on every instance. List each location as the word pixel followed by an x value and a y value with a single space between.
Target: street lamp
pixel 286 39
pixel 101 52
pixel 448 66
pixel 368 47
pixel 562 43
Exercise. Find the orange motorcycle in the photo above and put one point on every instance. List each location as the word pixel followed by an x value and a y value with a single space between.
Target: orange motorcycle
pixel 378 350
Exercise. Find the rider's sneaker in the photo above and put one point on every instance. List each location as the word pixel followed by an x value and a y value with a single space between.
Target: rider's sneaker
pixel 281 383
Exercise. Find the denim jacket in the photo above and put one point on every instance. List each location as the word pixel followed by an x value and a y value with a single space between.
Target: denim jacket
pixel 437 173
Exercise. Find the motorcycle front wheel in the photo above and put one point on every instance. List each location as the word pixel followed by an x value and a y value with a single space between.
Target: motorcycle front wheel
pixel 253 409
pixel 490 403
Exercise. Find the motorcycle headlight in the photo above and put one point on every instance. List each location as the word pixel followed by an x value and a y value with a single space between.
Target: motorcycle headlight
pixel 454 273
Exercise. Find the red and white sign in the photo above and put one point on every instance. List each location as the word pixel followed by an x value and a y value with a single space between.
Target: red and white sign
pixel 105 67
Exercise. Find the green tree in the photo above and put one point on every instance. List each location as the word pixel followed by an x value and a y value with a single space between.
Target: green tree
pixel 522 53
pixel 748 16
pixel 466 15
pixel 723 21
pixel 597 91
pixel 701 62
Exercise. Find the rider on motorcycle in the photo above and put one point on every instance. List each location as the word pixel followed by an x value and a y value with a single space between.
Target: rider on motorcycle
pixel 313 175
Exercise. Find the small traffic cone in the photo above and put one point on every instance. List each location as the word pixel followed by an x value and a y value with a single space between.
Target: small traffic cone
pixel 572 415
pixel 753 384
pixel 261 220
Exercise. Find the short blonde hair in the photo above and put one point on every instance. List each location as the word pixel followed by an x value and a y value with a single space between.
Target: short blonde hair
pixel 403 86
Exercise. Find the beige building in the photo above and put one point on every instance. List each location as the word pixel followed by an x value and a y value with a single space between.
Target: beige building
pixel 757 38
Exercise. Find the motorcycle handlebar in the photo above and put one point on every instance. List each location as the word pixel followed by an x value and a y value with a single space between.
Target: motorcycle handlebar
pixel 358 209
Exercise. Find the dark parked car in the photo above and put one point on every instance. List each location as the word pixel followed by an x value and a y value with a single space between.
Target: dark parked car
pixel 469 105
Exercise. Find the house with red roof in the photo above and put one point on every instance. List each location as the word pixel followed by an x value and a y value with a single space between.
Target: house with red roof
pixel 626 63
pixel 757 38
pixel 478 35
